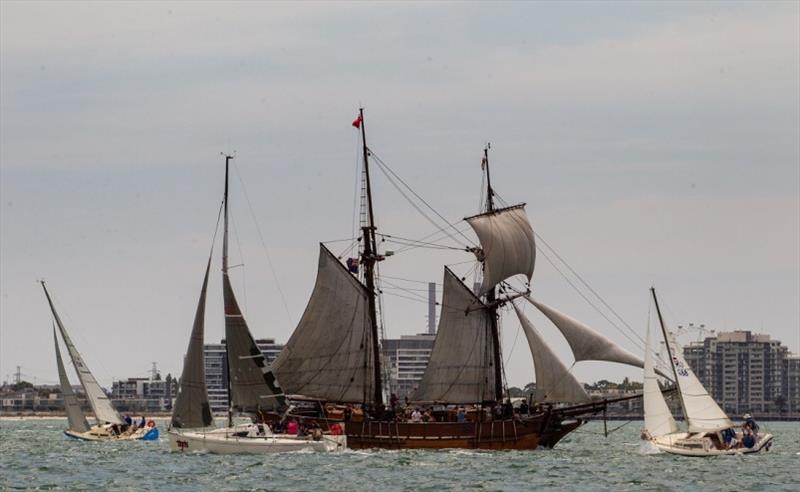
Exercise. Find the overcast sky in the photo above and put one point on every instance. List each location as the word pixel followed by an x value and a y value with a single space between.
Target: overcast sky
pixel 654 144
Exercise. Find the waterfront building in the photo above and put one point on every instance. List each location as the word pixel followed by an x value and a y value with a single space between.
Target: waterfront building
pixel 151 394
pixel 407 357
pixel 743 371
pixel 791 385
pixel 216 362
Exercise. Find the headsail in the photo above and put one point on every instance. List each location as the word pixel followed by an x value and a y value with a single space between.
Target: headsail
pixel 100 403
pixel 554 382
pixel 75 417
pixel 702 412
pixel 253 385
pixel 658 419
pixel 329 355
pixel 586 344
pixel 460 368
pixel 191 408
pixel 507 243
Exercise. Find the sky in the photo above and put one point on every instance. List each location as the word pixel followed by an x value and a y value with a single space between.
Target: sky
pixel 653 143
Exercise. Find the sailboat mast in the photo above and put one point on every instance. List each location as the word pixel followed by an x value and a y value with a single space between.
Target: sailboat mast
pixel 669 353
pixel 369 259
pixel 491 296
pixel 225 274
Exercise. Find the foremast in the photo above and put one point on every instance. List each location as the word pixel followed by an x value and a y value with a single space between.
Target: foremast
pixel 491 295
pixel 369 257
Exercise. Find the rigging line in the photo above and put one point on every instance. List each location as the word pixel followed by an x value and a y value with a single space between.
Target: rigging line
pixel 241 255
pixel 411 202
pixel 264 245
pixel 356 194
pixel 410 280
pixel 569 281
pixel 389 169
pixel 435 233
pixel 398 239
pixel 538 236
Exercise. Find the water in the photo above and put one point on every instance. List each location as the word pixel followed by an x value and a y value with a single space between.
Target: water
pixel 34 454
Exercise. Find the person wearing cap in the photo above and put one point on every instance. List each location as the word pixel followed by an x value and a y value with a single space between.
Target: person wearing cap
pixel 751 423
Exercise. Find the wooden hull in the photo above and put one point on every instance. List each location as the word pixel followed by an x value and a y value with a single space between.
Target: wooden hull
pixel 523 433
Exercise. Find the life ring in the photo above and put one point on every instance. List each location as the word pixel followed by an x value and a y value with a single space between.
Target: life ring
pixel 151 423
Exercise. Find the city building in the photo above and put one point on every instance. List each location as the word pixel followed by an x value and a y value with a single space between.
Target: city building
pixel 216 361
pixel 743 371
pixel 151 394
pixel 407 358
pixel 791 385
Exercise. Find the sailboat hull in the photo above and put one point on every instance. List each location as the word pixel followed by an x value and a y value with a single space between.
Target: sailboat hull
pixel 103 433
pixel 223 441
pixel 705 445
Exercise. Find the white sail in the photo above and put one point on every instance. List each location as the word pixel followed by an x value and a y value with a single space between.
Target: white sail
pixel 587 344
pixel 460 368
pixel 554 382
pixel 75 417
pixel 99 401
pixel 329 355
pixel 507 243
pixel 658 419
pixel 702 412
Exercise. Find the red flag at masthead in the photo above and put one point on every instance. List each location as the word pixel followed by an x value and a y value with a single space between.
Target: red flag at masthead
pixel 357 122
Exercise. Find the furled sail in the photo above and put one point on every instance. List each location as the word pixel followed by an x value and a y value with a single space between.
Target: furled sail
pixel 191 408
pixel 100 403
pixel 253 386
pixel 75 417
pixel 586 344
pixel 658 419
pixel 507 243
pixel 702 412
pixel 554 382
pixel 329 355
pixel 460 367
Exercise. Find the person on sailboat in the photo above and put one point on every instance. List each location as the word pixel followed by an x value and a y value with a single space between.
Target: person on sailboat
pixel 750 423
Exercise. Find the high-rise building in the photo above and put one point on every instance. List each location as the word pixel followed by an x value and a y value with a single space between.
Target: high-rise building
pixel 791 385
pixel 407 358
pixel 743 371
pixel 216 362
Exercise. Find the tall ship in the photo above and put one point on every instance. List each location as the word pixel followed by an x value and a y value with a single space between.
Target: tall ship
pixel 333 357
pixel 109 424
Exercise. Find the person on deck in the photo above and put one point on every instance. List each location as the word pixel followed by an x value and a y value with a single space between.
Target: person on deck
pixel 128 420
pixel 461 416
pixel 142 423
pixel 292 427
pixel 416 416
pixel 750 423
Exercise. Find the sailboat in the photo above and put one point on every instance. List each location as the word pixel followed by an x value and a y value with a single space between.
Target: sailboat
pixel 334 355
pixel 252 387
pixel 109 424
pixel 709 431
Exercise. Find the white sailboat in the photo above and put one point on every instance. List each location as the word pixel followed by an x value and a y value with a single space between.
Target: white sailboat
pixel 709 430
pixel 110 425
pixel 252 387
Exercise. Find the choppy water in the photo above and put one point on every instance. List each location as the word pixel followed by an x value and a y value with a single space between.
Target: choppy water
pixel 34 454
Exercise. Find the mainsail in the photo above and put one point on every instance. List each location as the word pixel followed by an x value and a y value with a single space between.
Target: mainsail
pixel 507 244
pixel 586 344
pixel 460 367
pixel 101 405
pixel 658 418
pixel 75 417
pixel 191 405
pixel 329 355
pixel 702 412
pixel 554 382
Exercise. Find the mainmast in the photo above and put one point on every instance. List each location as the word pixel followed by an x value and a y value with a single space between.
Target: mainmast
pixel 669 353
pixel 491 295
pixel 225 274
pixel 369 258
